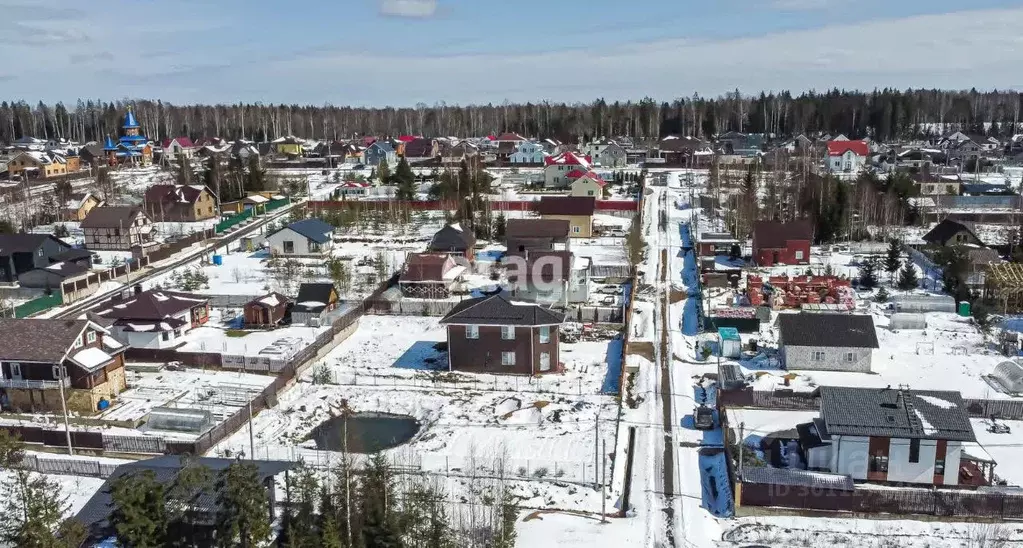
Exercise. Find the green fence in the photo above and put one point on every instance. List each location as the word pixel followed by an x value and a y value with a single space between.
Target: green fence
pixel 36 306
pixel 235 220
pixel 272 205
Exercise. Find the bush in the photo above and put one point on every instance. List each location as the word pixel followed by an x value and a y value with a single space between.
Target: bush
pixel 540 472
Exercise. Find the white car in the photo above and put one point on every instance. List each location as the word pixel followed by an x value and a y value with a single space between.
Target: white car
pixel 616 233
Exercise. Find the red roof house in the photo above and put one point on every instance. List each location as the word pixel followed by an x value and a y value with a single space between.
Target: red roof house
pixel 183 142
pixel 838 148
pixel 776 242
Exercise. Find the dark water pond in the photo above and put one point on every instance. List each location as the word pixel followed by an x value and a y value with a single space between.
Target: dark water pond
pixel 367 432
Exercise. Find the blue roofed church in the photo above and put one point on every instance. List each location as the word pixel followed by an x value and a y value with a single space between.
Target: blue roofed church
pixel 131 148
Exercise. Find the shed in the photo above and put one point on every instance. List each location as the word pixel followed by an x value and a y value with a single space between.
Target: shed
pixel 924 303
pixel 907 320
pixel 729 342
pixel 268 310
pixel 1009 375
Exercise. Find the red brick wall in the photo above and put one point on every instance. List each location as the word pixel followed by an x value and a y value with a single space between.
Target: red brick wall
pixel 787 255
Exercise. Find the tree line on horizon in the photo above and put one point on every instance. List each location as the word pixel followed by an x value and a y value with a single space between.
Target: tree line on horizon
pixel 880 114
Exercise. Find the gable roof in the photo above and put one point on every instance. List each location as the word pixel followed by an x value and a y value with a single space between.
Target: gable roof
pixel 418 147
pixel 907 414
pixel 567 159
pixel 111 217
pixel 426 267
pixel 72 255
pixel 566 205
pixel 536 228
pixel 509 136
pixel 152 305
pixel 170 193
pixel 314 297
pixel 183 142
pixel 314 229
pixel 827 330
pixel 590 175
pixel 497 310
pixel 25 243
pixel 543 267
pixel 838 148
pixel 776 234
pixel 946 229
pixel 270 300
pixel 452 238
pixel 382 145
pixel 38 340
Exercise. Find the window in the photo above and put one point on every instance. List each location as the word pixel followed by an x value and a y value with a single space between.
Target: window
pixel 576 229
pixel 40 252
pixel 508 332
pixel 589 193
pixel 289 246
pixel 15 370
pixel 914 450
pixel 818 356
pixel 78 342
pixel 878 463
pixel 472 332
pixel 799 255
pixel 939 467
pixel 545 361
pixel 165 336
pixel 850 357
pixel 58 372
pixel 90 337
pixel 507 358
pixel 117 232
pixel 545 334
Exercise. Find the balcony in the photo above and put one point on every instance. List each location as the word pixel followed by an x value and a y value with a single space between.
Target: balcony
pixel 34 385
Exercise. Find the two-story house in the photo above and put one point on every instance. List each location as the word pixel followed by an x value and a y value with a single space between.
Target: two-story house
pixel 547 277
pixel 950 232
pixel 180 203
pixel 379 151
pixel 847 156
pixel 528 152
pixel 21 253
pixel 78 206
pixel 557 168
pixel 578 211
pixel 178 148
pixel 606 153
pixel 892 436
pixel 588 184
pixel 777 242
pixel 155 318
pixel 494 335
pixel 827 342
pixel 117 227
pixel 454 240
pixel 46 364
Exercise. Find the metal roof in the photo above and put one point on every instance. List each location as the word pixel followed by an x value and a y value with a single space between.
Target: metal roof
pixel 797 478
pixel 497 310
pixel 827 330
pixel 895 413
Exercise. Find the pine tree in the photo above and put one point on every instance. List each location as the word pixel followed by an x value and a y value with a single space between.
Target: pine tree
pixel 868 273
pixel 908 278
pixel 499 226
pixel 12 450
pixel 881 296
pixel 33 513
pixel 184 175
pixel 383 172
pixel 191 482
pixel 405 180
pixel 892 260
pixel 299 521
pixel 508 513
pixel 138 516
pixel 255 177
pixel 379 517
pixel 243 518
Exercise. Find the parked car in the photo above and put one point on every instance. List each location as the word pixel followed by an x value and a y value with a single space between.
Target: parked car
pixel 617 233
pixel 609 300
pixel 611 290
pixel 703 418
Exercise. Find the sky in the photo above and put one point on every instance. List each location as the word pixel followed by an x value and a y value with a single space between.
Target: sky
pixel 404 52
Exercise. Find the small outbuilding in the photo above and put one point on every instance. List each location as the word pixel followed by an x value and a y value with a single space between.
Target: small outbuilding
pixel 907 320
pixel 1009 375
pixel 266 311
pixel 729 342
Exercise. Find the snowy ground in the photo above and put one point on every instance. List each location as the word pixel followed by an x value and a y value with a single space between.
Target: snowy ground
pixel 77 490
pixel 803 532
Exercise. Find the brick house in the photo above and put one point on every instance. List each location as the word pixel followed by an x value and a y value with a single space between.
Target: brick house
pixel 494 335
pixel 827 342
pixel 180 203
pixel 41 358
pixel 777 242
pixel 577 210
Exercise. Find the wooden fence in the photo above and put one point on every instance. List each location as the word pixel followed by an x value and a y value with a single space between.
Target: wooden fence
pixel 1001 409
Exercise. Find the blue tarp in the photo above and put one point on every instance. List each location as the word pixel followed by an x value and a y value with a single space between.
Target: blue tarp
pixel 489 256
pixel 716 490
pixel 1014 323
pixel 612 379
pixel 691 277
pixel 422 356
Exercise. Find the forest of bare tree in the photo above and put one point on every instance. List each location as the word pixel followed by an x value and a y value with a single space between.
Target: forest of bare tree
pixel 880 114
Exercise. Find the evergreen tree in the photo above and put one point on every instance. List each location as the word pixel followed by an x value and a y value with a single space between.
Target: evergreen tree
pixel 881 296
pixel 908 278
pixel 299 520
pixel 191 482
pixel 383 172
pixel 138 516
pixel 379 518
pixel 7 227
pixel 33 513
pixel 868 273
pixel 505 535
pixel 184 175
pixel 12 450
pixel 243 518
pixel 892 260
pixel 405 180
pixel 62 190
pixel 255 177
pixel 500 224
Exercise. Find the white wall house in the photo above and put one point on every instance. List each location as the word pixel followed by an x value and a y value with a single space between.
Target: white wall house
pixel 827 342
pixel 588 185
pixel 528 152
pixel 309 237
pixel 557 168
pixel 848 157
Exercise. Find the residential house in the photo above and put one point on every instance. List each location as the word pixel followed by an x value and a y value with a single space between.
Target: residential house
pixel 32 164
pixel 420 148
pixel 305 237
pixel 155 318
pixel 578 211
pixel 523 235
pixel 204 507
pixel 678 151
pixel 893 436
pixel 551 146
pixel 288 146
pixel 548 277
pixel 744 145
pixel 178 148
pixel 266 311
pixel 45 364
pixel 454 240
pixel 243 150
pixel 117 227
pixel 827 342
pixel 557 168
pixel 950 232
pixel 21 253
pixel 847 156
pixel 180 203
pixel 334 153
pixel 354 189
pixel 54 276
pixel 77 208
pixel 379 151
pixel 91 154
pixel 777 242
pixel 709 244
pixel 494 335
pixel 606 153
pixel 588 184
pixel 528 152
pixel 454 154
pixel 429 275
pixel 314 300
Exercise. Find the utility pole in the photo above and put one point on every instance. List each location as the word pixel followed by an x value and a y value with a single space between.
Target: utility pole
pixel 603 486
pixel 61 376
pixel 252 439
pixel 742 444
pixel 348 481
pixel 596 446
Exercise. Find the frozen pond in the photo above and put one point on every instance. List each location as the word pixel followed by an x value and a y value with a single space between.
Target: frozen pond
pixel 367 432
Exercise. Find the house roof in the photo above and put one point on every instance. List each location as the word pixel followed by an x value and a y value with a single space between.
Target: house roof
pixel 776 234
pixel 184 142
pixel 452 238
pixel 797 478
pixel 129 120
pixel 111 217
pixel 536 228
pixel 946 229
pixel 73 254
pixel 38 340
pixel 270 300
pixel 152 305
pixel 543 266
pixel 426 267
pixel 592 175
pixel 568 159
pixel 497 310
pixel 682 144
pixel 895 413
pixel 96 512
pixel 382 145
pixel 418 147
pixel 314 229
pixel 25 243
pixel 566 205
pixel 174 194
pixel 510 136
pixel 838 148
pixel 314 297
pixel 827 330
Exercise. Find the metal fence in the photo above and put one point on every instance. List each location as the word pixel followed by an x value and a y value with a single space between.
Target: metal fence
pixel 1001 409
pixel 70 467
pixel 499 383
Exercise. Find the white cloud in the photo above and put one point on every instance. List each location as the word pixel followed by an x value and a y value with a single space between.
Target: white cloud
pixel 408 8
